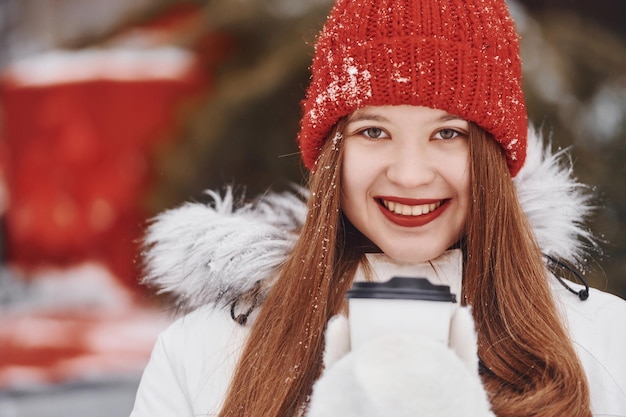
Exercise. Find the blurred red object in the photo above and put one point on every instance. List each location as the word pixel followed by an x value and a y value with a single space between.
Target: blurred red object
pixel 77 137
pixel 76 324
pixel 78 133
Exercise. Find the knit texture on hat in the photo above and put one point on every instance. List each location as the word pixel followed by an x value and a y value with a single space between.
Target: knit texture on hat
pixel 460 56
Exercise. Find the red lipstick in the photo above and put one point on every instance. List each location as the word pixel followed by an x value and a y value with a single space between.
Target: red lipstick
pixel 411 221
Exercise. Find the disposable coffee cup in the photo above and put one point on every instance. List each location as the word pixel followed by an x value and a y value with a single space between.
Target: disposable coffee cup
pixel 402 305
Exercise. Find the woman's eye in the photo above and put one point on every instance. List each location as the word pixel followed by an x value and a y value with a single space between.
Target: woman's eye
pixel 373 133
pixel 447 134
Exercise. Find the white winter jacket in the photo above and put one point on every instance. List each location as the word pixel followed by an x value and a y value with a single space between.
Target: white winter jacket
pixel 207 255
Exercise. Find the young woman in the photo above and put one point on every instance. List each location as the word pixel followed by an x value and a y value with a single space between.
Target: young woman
pixel 415 132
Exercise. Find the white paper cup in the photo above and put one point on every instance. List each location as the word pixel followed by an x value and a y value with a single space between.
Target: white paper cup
pixel 400 306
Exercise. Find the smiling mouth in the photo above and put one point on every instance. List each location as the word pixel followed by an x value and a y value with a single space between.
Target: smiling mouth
pixel 410 210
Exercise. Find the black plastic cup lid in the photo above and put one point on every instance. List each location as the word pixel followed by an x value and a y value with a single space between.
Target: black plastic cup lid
pixel 402 288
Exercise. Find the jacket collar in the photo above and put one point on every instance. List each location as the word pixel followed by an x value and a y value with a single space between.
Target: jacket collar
pixel 446 269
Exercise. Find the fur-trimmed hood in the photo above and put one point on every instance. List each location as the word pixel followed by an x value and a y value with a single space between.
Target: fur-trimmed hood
pixel 212 253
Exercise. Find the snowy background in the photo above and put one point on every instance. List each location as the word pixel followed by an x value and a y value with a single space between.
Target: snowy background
pixel 113 111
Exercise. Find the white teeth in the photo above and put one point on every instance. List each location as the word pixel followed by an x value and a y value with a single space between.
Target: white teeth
pixel 407 210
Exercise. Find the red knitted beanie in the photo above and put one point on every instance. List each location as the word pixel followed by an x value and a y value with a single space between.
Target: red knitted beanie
pixel 460 56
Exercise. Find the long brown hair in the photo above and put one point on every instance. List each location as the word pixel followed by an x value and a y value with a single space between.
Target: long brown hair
pixel 282 357
pixel 529 366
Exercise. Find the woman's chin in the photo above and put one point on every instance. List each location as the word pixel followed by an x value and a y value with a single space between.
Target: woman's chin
pixel 412 256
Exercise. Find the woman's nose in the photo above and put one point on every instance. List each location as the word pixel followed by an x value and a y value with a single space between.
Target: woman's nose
pixel 411 166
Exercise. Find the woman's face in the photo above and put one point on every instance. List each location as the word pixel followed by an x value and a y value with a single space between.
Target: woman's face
pixel 405 179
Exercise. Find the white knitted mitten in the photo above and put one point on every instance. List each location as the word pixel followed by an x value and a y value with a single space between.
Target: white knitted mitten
pixel 401 375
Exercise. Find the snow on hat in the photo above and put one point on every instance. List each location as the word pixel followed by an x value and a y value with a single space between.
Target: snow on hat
pixel 458 56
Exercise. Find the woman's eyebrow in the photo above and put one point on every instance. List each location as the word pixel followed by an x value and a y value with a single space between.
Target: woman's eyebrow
pixel 448 117
pixel 362 115
pixel 359 116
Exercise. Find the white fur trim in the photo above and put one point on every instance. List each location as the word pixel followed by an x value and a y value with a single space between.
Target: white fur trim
pixel 556 204
pixel 203 253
